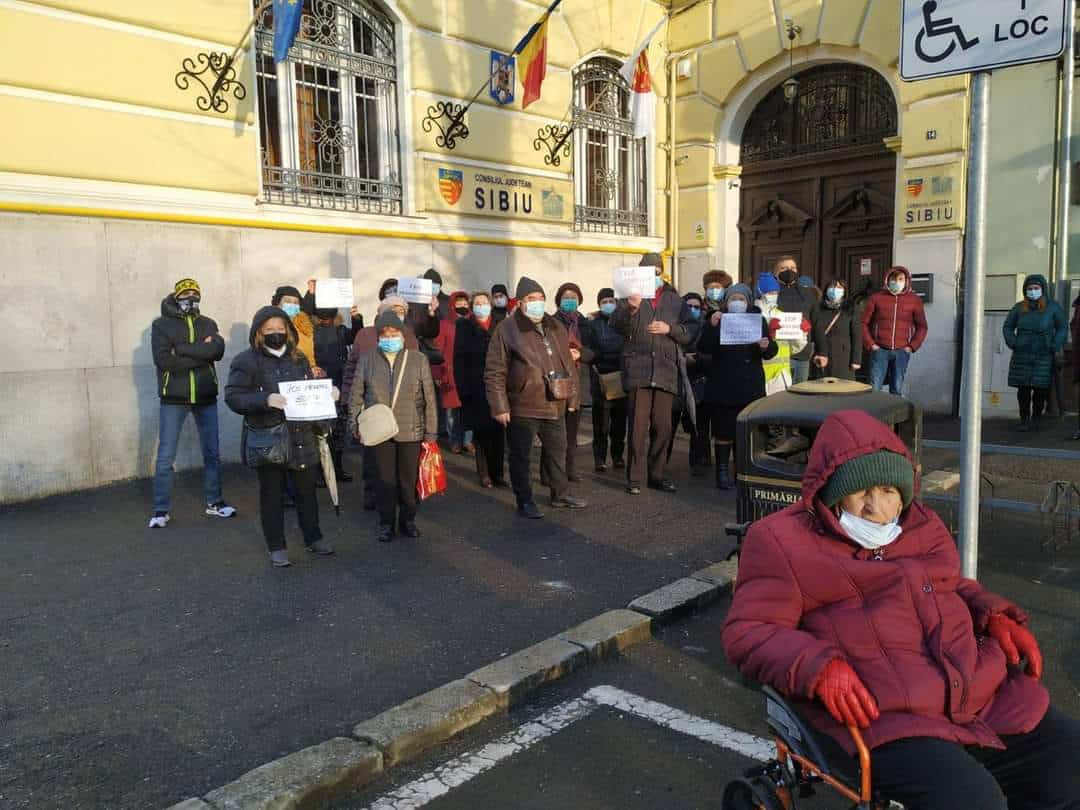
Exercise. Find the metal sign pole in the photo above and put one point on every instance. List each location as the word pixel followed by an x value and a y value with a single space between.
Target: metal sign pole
pixel 1065 151
pixel 974 284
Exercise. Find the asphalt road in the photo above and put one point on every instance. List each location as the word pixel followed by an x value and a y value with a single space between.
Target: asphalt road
pixel 139 667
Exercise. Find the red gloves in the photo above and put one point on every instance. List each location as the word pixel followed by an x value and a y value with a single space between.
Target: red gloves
pixel 1016 641
pixel 774 324
pixel 806 326
pixel 844 695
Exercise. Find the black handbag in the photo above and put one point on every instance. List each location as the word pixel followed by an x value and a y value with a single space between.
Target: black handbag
pixel 266 446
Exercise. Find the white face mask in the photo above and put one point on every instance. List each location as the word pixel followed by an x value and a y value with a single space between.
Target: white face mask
pixel 867 533
pixel 736 306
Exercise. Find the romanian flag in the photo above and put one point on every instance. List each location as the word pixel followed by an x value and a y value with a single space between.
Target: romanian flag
pixel 533 50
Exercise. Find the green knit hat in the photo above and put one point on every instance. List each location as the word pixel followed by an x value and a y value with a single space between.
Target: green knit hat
pixel 883 468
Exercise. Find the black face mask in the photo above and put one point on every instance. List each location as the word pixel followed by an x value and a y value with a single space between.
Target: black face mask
pixel 188 306
pixel 463 312
pixel 275 340
pixel 788 276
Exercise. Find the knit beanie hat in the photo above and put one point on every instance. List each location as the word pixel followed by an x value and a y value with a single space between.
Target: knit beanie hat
pixel 526 286
pixel 388 319
pixel 716 277
pixel 767 283
pixel 283 291
pixel 569 287
pixel 652 260
pixel 605 292
pixel 740 289
pixel 883 468
pixel 186 285
pixel 496 289
pixel 391 301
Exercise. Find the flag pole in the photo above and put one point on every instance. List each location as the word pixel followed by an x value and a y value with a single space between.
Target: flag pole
pixel 456 120
pixel 262 7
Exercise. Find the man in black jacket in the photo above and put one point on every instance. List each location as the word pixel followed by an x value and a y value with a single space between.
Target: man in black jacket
pixel 185 345
pixel 794 298
pixel 654 331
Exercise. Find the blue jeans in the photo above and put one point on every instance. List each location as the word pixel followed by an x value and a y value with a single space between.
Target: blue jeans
pixel 800 371
pixel 880 362
pixel 455 426
pixel 170 423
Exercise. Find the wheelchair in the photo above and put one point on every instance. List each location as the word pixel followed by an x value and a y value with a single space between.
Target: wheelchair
pixel 800 765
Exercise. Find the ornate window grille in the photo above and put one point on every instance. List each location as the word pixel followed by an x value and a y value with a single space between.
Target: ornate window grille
pixel 610 173
pixel 837 106
pixel 328 116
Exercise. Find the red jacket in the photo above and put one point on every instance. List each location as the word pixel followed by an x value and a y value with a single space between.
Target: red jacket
pixel 894 321
pixel 909 625
pixel 443 374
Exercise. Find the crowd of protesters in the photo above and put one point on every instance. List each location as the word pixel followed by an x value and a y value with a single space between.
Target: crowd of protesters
pixel 492 375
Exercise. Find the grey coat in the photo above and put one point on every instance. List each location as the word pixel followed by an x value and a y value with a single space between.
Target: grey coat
pixel 416 412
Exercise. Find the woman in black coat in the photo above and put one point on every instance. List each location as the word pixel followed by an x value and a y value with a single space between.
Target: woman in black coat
pixel 735 376
pixel 470 351
pixel 252 392
pixel 836 331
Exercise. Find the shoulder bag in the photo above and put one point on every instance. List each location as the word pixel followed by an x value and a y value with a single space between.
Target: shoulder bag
pixel 377 423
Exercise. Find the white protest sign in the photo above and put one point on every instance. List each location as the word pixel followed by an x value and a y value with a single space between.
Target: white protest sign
pixel 629 281
pixel 415 290
pixel 946 37
pixel 790 326
pixel 737 329
pixel 334 293
pixel 308 400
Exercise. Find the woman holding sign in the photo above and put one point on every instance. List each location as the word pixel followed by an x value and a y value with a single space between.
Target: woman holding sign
pixel 252 392
pixel 737 341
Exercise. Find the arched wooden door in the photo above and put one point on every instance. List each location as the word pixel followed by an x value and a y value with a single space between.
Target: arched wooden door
pixel 817 181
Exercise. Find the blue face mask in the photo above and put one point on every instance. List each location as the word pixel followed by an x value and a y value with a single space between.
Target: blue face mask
pixel 715 293
pixel 435 288
pixel 482 311
pixel 608 308
pixel 568 305
pixel 659 282
pixel 896 286
pixel 534 310
pixel 292 310
pixel 835 294
pixel 391 345
pixel 695 312
pixel 1034 294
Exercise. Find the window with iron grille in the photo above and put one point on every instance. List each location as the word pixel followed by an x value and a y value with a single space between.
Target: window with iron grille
pixel 836 106
pixel 328 116
pixel 610 173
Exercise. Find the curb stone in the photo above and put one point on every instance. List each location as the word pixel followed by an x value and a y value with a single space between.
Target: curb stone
pixel 423 722
pixel 315 775
pixel 305 779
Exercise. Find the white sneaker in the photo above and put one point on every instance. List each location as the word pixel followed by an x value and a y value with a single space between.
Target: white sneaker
pixel 220 509
pixel 160 520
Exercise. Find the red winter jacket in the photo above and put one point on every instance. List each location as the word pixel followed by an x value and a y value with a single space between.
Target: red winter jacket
pixel 443 374
pixel 894 321
pixel 909 625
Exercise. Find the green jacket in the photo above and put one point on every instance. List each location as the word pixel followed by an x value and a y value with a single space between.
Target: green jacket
pixel 1035 333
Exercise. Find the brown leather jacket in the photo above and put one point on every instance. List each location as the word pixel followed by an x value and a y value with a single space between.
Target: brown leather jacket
pixel 517 361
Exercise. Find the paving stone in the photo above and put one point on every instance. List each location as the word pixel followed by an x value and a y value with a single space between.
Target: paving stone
pixel 411 728
pixel 306 779
pixel 677 597
pixel 721 573
pixel 191 804
pixel 514 676
pixel 610 632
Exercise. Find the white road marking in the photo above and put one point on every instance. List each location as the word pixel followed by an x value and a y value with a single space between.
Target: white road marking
pixel 460 770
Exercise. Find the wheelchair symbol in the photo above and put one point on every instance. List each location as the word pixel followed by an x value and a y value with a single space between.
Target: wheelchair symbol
pixel 943 26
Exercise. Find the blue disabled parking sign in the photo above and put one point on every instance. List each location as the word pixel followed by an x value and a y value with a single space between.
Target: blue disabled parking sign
pixel 947 37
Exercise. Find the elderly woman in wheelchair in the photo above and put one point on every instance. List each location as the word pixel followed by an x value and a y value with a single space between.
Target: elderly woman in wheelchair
pixel 851 606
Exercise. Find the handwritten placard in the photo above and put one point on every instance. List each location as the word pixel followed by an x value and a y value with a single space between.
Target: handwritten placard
pixel 737 329
pixel 308 400
pixel 415 290
pixel 334 293
pixel 790 326
pixel 628 281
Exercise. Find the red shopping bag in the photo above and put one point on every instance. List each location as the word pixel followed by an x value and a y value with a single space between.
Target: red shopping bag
pixel 432 477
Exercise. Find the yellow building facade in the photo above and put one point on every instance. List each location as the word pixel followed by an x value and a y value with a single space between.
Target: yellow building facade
pixel 121 172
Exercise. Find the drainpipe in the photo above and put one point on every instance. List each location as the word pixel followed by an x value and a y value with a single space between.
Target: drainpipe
pixel 1060 271
pixel 673 199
